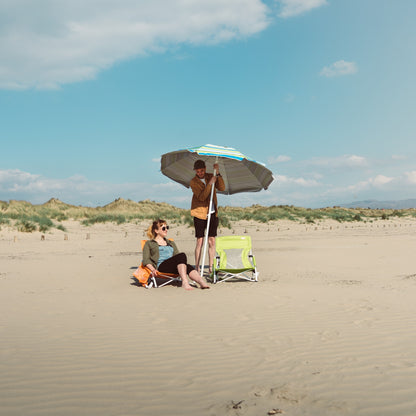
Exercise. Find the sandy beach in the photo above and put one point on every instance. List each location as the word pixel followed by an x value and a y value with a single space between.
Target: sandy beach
pixel 329 329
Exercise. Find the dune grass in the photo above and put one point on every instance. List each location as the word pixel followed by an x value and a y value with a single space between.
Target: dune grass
pixel 27 222
pixel 25 217
pixel 262 214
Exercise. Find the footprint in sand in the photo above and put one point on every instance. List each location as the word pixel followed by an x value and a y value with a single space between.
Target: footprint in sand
pixel 410 277
pixel 284 399
pixel 328 335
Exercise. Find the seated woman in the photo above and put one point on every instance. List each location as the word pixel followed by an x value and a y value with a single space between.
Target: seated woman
pixel 161 254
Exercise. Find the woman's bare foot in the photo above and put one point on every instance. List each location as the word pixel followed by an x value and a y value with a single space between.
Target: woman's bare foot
pixel 194 275
pixel 187 286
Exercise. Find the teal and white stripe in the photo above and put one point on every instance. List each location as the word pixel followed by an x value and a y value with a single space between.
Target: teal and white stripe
pixel 220 151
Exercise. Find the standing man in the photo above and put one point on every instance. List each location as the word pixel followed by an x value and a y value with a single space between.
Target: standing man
pixel 201 186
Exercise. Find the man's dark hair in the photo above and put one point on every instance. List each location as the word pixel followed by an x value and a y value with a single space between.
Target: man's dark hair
pixel 199 164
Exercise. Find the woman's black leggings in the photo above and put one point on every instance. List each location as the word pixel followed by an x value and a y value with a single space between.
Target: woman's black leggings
pixel 171 265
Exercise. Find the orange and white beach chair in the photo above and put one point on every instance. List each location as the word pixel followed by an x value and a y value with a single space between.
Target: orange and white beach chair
pixel 145 278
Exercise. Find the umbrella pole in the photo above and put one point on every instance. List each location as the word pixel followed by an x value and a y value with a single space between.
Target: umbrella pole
pixel 208 223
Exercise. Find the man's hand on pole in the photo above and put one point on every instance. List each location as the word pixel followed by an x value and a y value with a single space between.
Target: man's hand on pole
pixel 214 178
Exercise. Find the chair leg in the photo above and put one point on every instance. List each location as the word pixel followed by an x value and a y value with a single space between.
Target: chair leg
pixel 150 284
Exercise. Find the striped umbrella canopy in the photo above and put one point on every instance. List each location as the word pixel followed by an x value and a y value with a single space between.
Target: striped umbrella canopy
pixel 240 173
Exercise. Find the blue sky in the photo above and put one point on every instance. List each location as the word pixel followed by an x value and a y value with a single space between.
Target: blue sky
pixel 321 91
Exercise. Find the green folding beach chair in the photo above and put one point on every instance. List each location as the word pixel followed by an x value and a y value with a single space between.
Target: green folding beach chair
pixel 234 259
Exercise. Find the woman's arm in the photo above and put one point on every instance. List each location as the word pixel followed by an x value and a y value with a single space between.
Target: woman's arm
pixel 148 258
pixel 151 268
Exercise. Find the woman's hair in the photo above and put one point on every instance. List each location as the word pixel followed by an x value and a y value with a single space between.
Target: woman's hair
pixel 152 228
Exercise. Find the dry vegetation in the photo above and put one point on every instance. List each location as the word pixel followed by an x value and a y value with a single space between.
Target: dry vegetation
pixel 26 217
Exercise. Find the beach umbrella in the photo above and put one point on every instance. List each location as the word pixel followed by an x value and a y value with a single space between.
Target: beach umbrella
pixel 239 172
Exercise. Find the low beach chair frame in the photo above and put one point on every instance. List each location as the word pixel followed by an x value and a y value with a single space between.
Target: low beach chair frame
pixel 145 278
pixel 161 279
pixel 222 269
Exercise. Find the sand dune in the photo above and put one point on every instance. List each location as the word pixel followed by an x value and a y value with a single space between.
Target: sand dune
pixel 329 329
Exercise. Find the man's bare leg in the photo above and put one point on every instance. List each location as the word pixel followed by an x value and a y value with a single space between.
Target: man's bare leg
pixel 211 252
pixel 198 249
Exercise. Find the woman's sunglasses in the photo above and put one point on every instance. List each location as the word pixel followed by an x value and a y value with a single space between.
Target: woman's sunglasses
pixel 165 227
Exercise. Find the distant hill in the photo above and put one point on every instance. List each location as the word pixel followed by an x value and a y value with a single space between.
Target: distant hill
pixel 120 206
pixel 374 204
pixel 26 217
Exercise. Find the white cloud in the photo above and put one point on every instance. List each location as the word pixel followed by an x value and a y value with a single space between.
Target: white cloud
pixel 279 159
pixel 339 68
pixel 399 157
pixel 286 180
pixel 354 160
pixel 379 181
pixel 411 177
pixel 16 177
pixel 340 162
pixel 16 184
pixel 47 43
pixel 292 8
pixel 306 189
pixel 168 186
